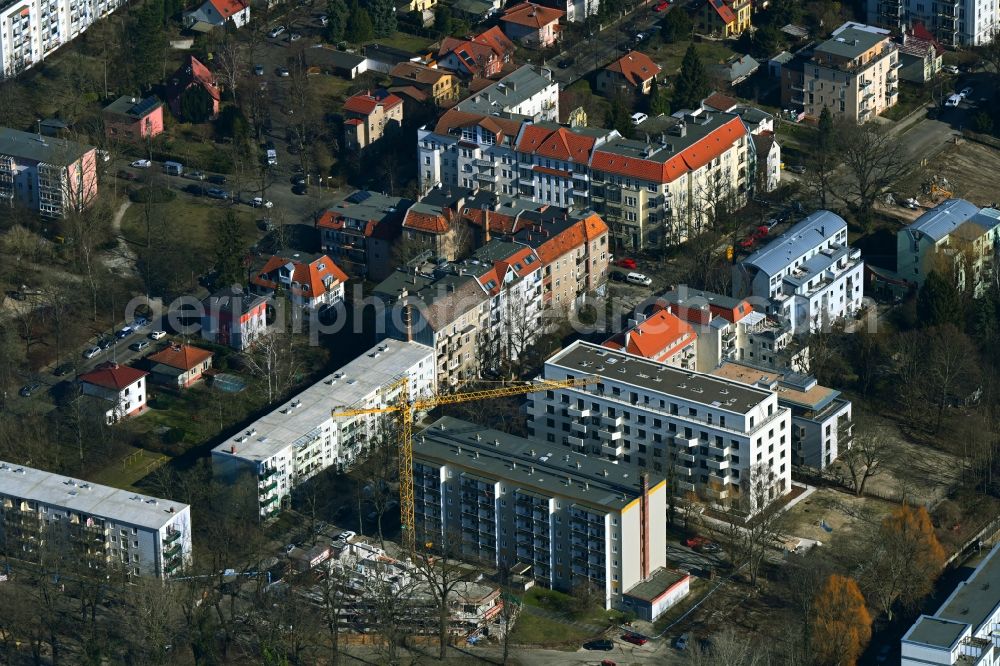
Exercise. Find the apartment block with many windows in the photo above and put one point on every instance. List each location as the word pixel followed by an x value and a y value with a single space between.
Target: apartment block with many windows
pixel 49 175
pixel 951 22
pixel 715 437
pixel 94 526
pixel 301 438
pixel 570 520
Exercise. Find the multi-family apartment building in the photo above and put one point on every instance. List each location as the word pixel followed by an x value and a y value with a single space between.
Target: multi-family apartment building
pixel 951 22
pixel 438 85
pixel 528 91
pixel 576 10
pixel 654 191
pixel 854 74
pixel 118 390
pixel 309 283
pixel 662 336
pixel 723 18
pixel 369 116
pixel 301 438
pixel 821 418
pixel 957 239
pixel 358 232
pixel 479 314
pixel 809 274
pixel 572 520
pixel 30 30
pixel 730 329
pixel 45 515
pixel 963 631
pixel 234 317
pixel 721 439
pixel 49 175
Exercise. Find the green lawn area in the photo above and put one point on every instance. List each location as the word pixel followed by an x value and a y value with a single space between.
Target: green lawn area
pixel 669 56
pixel 534 630
pixel 125 473
pixel 406 42
pixel 911 96
pixel 569 606
pixel 330 89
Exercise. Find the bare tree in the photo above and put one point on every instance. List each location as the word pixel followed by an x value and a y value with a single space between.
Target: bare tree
pixel 729 648
pixel 442 576
pixel 873 158
pixel 871 449
pixel 753 522
pixel 273 358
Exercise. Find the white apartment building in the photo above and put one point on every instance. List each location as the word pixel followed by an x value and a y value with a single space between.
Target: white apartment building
pixel 708 435
pixel 30 30
pixel 963 632
pixel 651 192
pixel 528 91
pixel 301 438
pixel 809 274
pixel 572 519
pixel 952 22
pixel 99 526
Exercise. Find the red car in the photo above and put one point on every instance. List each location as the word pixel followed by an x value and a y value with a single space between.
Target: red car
pixel 626 263
pixel 695 541
pixel 747 243
pixel 662 7
pixel 635 639
pixel 760 232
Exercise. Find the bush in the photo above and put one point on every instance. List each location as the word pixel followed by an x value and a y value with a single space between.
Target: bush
pixel 152 194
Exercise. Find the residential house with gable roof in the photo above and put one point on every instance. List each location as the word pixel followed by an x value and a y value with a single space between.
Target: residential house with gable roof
pixel 133 119
pixel 632 73
pixel 723 18
pixel 662 336
pixel 438 85
pixel 121 386
pixel 359 232
pixel 956 238
pixel 535 26
pixel 434 224
pixel 920 54
pixel 179 365
pixel 217 13
pixel 481 56
pixel 234 317
pixel 310 283
pixel 576 10
pixel 191 74
pixel 370 116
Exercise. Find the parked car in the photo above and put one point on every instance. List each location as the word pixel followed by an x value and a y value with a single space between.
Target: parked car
pixel 28 389
pixel 695 541
pixel 139 346
pixel 682 642
pixel 615 276
pixel 294 37
pixel 966 92
pixel 300 190
pixel 640 37
pixel 662 7
pixel 638 118
pixel 124 332
pixel 796 168
pixel 258 202
pixel 217 179
pixel 323 20
pixel 258 70
pixel 635 639
pixel 195 190
pixel 141 164
pixel 626 263
pixel 638 278
pixel 748 242
pixel 64 369
pixel 565 63
pixel 91 352
pixel 126 175
pixel 951 69
pixel 157 335
pixel 216 193
pixel 283 72
pixel 275 31
pixel 953 101
pixel 298 180
pixel 106 343
pixel 195 175
pixel 771 223
pixel 602 644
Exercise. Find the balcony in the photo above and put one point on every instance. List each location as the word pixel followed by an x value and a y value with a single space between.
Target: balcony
pixel 574 441
pixel 268 488
pixel 717 451
pixel 686 486
pixel 171 536
pixel 609 435
pixel 684 472
pixel 717 464
pixel 267 473
pixel 688 442
pixel 172 551
pixel 686 457
pixel 716 493
pixel 578 413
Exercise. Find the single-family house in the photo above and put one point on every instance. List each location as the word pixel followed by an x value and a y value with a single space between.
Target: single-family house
pixel 179 365
pixel 532 25
pixel 216 13
pixel 133 119
pixel 121 386
pixel 438 85
pixel 481 56
pixel 633 72
pixel 192 74
pixel 310 283
pixel 736 70
pixel 920 55
pixel 234 317
pixel 369 116
pixel 722 18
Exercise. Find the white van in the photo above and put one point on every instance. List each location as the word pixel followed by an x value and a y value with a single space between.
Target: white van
pixel 272 157
pixel 638 278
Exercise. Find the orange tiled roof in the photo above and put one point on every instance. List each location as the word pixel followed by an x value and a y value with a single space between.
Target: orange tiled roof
pixel 496 40
pixel 422 221
pixel 499 223
pixel 112 376
pixel 414 71
pixel 531 15
pixel 454 119
pixel 636 67
pixel 203 76
pixel 651 337
pixel 560 144
pixel 303 274
pixel 582 232
pixel 723 10
pixel 365 103
pixel 691 158
pixel 182 357
pixel 720 102
pixel 227 8
pixel 500 268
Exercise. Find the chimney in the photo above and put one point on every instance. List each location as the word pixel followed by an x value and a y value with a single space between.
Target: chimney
pixel 407 315
pixel 232 448
pixel 644 525
pixel 486 222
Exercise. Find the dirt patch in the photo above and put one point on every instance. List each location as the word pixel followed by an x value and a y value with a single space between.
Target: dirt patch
pixel 829 515
pixel 969 167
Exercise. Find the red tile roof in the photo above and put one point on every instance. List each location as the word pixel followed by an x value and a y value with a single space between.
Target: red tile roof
pixel 365 103
pixel 723 10
pixel 560 144
pixel 414 71
pixel 500 127
pixel 196 71
pixel 532 15
pixel 500 268
pixel 227 8
pixel 411 92
pixel 636 67
pixel 308 276
pixel 422 221
pixel 112 376
pixel 182 357
pixel 496 40
pixel 720 102
pixel 582 232
pixel 691 158
pixel 651 338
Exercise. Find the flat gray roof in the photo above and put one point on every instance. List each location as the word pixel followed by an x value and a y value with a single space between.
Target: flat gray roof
pixel 663 133
pixel 380 365
pixel 120 506
pixel 789 246
pixel 584 358
pixel 850 43
pixel 697 298
pixel 370 206
pixel 513 89
pixel 975 600
pixel 934 631
pixel 658 582
pixel 534 465
pixel 40 149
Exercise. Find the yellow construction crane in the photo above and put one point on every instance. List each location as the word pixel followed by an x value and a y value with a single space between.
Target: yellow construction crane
pixel 405 408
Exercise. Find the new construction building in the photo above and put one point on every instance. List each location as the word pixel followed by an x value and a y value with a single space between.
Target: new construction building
pixel 300 438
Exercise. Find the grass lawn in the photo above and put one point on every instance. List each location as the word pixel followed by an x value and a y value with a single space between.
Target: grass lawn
pixel 330 89
pixel 669 56
pixel 911 96
pixel 699 586
pixel 534 630
pixel 406 42
pixel 127 472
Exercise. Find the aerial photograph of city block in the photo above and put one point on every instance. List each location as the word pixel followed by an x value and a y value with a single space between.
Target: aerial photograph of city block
pixel 500 332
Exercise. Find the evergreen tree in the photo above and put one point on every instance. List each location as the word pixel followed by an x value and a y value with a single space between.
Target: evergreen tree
pixel 939 302
pixel 337 13
pixel 692 83
pixel 229 252
pixel 383 17
pixel 196 105
pixel 619 117
pixel 825 135
pixel 148 44
pixel 677 26
pixel 359 26
pixel 659 99
pixel 442 20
